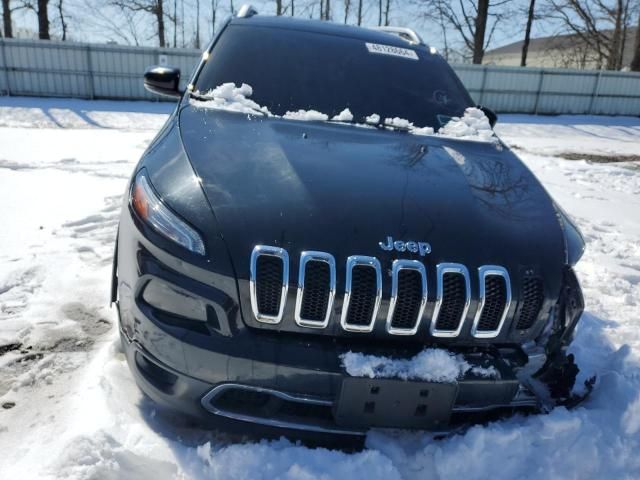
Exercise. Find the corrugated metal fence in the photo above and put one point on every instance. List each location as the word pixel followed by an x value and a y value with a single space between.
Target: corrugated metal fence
pixel 33 67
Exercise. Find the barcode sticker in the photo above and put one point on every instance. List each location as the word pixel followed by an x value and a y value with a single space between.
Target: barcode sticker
pixel 391 50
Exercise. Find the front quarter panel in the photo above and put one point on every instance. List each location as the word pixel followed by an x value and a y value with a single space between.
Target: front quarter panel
pixel 143 254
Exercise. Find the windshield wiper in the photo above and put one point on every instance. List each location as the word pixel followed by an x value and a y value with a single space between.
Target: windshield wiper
pixel 379 125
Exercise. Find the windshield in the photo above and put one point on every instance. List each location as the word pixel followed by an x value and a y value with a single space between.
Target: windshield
pixel 291 70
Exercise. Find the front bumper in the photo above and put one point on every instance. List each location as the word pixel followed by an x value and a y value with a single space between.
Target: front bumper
pixel 218 368
pixel 300 399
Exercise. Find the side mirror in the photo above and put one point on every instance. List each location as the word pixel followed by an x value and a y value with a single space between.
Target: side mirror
pixel 163 81
pixel 490 114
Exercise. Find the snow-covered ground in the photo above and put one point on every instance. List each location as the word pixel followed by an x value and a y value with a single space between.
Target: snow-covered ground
pixel 69 407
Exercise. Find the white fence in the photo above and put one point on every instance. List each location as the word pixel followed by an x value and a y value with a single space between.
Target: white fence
pixel 64 69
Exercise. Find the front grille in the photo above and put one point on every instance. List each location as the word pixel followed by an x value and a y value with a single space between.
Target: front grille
pixel 495 301
pixel 405 315
pixel 408 297
pixel 453 300
pixel 363 295
pixel 316 289
pixel 531 302
pixel 315 298
pixel 269 284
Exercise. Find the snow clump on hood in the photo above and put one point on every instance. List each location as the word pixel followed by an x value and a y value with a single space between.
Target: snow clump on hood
pixel 229 97
pixel 473 125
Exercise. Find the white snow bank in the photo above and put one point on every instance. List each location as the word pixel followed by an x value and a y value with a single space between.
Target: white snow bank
pixel 284 460
pixel 431 365
pixel 473 125
pixel 229 97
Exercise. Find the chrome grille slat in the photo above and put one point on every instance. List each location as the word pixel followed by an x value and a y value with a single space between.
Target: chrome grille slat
pixel 358 297
pixel 492 309
pixel 314 300
pixel 406 310
pixel 316 291
pixel 445 305
pixel 271 315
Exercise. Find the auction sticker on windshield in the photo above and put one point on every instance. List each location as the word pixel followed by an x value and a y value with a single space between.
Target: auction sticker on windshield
pixel 391 50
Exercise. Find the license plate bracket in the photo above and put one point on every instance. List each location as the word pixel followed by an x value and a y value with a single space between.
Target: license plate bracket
pixel 392 403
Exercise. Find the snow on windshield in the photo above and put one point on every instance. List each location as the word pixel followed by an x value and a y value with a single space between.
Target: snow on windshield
pixel 306 116
pixel 235 99
pixel 473 125
pixel 432 365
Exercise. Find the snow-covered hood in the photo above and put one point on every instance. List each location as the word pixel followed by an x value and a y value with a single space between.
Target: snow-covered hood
pixel 343 189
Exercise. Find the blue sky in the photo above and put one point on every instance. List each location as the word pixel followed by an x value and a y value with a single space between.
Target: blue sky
pixel 94 21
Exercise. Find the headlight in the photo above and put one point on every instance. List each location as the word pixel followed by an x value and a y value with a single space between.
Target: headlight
pixel 157 215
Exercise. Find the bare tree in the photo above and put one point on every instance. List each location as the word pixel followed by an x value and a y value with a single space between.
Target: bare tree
pixel 63 21
pixel 600 24
pixel 214 12
pixel 175 23
pixel 527 33
pixel 635 62
pixel 387 8
pixel 42 10
pixel 197 42
pixel 359 12
pixel 327 9
pixel 6 19
pixel 154 7
pixel 474 21
pixel 278 7
pixel 347 7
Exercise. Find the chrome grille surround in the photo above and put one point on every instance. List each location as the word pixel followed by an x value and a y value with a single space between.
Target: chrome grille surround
pixel 397 267
pixel 373 299
pixel 484 272
pixel 441 270
pixel 361 261
pixel 306 257
pixel 282 254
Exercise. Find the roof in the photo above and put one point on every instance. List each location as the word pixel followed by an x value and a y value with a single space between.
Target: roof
pixel 556 42
pixel 325 27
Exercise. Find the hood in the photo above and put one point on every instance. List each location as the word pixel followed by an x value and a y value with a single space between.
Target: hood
pixel 343 189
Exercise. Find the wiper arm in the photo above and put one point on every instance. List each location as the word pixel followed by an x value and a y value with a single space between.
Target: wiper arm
pixel 394 127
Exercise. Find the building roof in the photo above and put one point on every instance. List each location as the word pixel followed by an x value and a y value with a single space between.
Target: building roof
pixel 560 42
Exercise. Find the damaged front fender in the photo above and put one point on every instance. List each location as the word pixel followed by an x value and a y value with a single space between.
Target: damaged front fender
pixel 551 373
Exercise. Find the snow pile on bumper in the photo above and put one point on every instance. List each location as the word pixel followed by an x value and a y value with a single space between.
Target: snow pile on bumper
pixel 431 365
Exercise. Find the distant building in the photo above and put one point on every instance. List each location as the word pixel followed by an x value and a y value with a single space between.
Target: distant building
pixel 560 51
